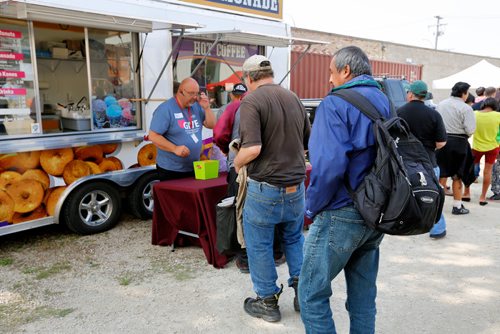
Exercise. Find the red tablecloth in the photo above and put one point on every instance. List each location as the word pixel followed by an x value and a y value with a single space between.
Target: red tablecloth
pixel 189 205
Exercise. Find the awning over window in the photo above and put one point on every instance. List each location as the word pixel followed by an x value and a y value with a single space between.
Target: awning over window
pixel 245 37
pixel 138 18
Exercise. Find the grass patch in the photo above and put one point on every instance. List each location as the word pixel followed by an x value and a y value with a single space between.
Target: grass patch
pixel 45 272
pixel 125 280
pixel 43 312
pixel 180 272
pixel 14 315
pixel 6 261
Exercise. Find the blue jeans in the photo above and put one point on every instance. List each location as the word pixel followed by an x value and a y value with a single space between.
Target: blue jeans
pixel 440 226
pixel 267 207
pixel 339 239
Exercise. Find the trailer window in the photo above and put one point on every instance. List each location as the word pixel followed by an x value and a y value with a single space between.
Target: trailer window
pixel 113 80
pixel 62 77
pixel 17 110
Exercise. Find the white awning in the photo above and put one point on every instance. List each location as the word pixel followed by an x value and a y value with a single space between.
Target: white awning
pixel 245 37
pixel 135 18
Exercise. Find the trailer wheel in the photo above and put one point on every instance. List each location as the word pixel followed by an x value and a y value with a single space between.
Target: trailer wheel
pixel 140 200
pixel 92 208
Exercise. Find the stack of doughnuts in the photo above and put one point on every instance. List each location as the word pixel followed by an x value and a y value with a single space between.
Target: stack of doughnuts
pixel 26 177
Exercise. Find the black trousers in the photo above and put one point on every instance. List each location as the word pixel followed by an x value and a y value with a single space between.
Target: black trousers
pixel 164 174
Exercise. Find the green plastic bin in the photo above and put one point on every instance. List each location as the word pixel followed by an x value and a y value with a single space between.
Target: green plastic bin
pixel 206 169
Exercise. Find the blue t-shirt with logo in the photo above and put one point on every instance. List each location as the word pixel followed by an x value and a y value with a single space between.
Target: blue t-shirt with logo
pixel 179 128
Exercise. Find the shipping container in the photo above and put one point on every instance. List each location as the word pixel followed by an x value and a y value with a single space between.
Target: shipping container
pixel 309 79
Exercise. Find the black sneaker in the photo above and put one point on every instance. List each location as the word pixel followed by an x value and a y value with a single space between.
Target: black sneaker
pixel 242 265
pixel 265 308
pixel 295 286
pixel 461 211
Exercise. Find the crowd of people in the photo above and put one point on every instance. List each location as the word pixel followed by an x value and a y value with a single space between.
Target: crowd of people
pixel 272 133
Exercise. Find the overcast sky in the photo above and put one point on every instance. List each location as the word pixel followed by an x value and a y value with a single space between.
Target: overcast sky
pixel 468 26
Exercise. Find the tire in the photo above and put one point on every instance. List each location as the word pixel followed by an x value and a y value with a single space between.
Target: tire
pixel 92 208
pixel 140 199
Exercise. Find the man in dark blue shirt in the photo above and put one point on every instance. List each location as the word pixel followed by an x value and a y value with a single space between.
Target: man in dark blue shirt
pixel 341 145
pixel 428 126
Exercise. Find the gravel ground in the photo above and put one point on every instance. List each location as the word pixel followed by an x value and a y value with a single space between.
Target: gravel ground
pixel 52 281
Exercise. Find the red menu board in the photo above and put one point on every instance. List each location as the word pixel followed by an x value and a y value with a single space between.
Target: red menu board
pixel 12 85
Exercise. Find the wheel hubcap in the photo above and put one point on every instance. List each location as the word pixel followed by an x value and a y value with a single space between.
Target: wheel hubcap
pixel 95 208
pixel 147 196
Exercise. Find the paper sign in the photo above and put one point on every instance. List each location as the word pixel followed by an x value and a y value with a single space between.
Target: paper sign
pixel 12 74
pixel 10 33
pixel 11 56
pixel 12 91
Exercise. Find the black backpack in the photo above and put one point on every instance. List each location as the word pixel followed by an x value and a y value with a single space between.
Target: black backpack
pixel 401 194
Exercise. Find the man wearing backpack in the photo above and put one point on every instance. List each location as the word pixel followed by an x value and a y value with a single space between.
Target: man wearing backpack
pixel 427 125
pixel 341 144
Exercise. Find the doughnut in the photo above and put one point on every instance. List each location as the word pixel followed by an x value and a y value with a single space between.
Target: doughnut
pixel 136 165
pixel 7 178
pixel 28 216
pixel 46 196
pixel 54 161
pixel 147 155
pixel 94 168
pixel 27 195
pixel 107 165
pixel 117 162
pixel 74 170
pixel 6 207
pixel 52 200
pixel 89 153
pixel 27 160
pixel 21 161
pixel 7 161
pixel 109 148
pixel 39 175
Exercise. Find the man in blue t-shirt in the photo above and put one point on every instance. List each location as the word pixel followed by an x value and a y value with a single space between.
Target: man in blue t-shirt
pixel 176 130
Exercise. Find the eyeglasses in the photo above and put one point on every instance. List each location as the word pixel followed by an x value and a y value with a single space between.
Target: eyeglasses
pixel 191 94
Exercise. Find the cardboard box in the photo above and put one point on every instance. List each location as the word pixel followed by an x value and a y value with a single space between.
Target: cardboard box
pixel 206 169
pixel 48 45
pixel 61 53
pixel 73 44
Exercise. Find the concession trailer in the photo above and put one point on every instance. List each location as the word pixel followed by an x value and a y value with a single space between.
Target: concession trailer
pixel 79 82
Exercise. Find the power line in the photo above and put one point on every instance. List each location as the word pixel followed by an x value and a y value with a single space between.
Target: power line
pixel 438 31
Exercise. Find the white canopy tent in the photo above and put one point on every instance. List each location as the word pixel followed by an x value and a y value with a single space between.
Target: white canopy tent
pixel 482 74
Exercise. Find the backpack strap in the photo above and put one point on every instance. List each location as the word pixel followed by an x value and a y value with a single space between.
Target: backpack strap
pixel 364 106
pixel 360 102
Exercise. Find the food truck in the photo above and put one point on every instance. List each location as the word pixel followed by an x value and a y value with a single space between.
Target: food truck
pixel 79 83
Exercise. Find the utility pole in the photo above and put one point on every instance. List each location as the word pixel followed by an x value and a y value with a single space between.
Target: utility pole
pixel 438 32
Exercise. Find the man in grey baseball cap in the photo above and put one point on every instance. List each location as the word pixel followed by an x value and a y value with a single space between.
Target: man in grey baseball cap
pixel 274 131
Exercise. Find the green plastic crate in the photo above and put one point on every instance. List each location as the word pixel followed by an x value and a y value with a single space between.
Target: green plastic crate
pixel 206 169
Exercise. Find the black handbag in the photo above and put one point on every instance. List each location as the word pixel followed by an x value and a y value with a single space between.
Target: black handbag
pixel 227 240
